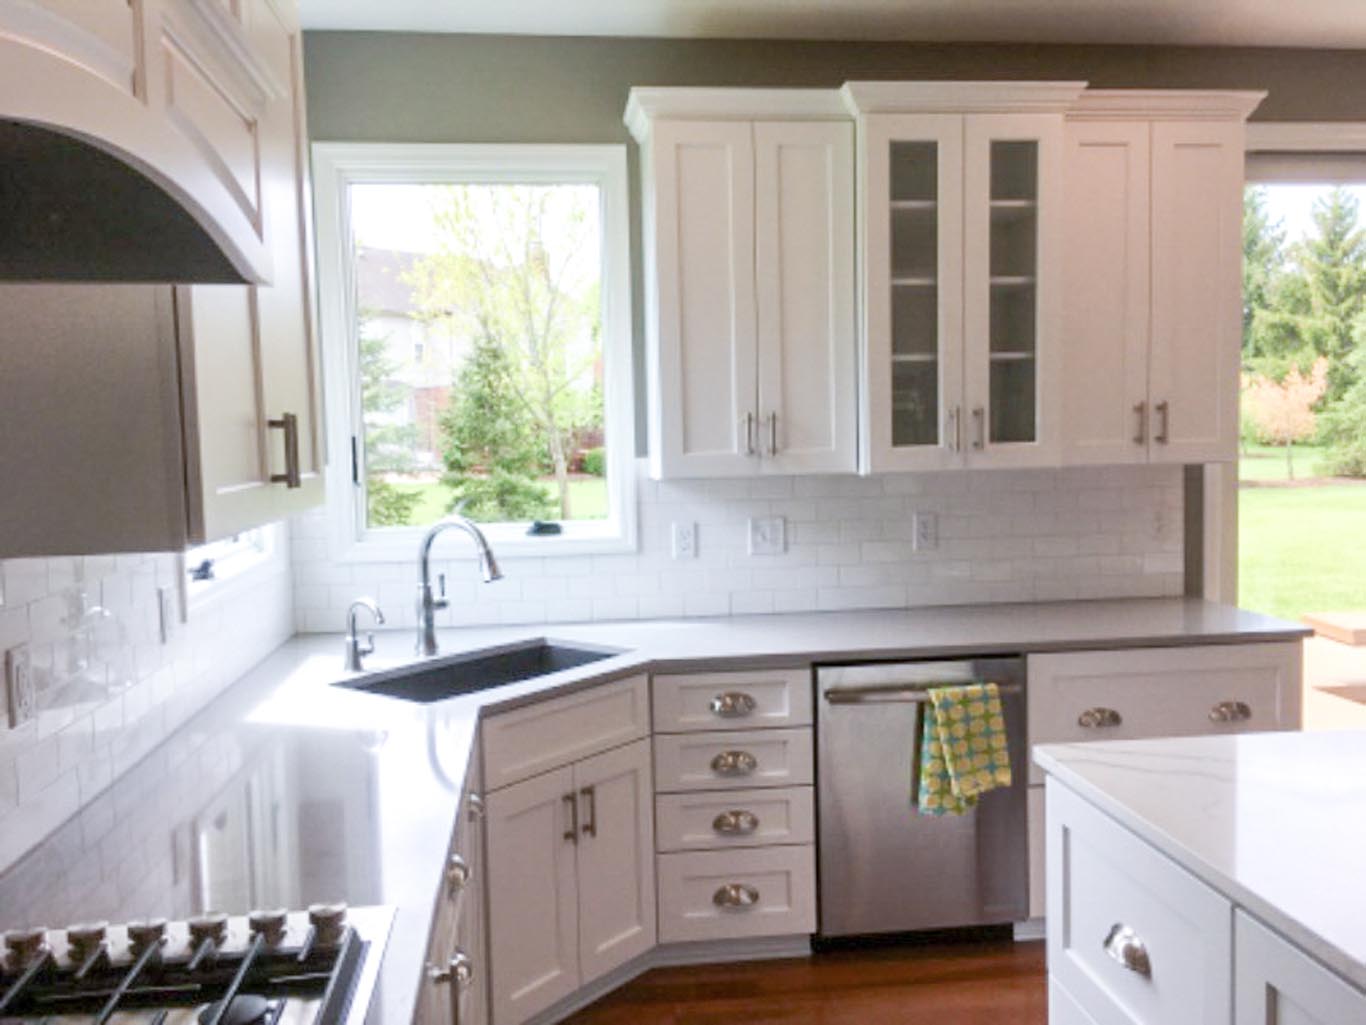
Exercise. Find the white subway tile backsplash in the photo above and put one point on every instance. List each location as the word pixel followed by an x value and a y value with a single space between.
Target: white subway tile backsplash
pixel 1008 535
pixel 108 690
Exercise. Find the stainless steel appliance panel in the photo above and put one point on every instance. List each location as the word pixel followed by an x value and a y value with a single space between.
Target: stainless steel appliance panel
pixel 883 866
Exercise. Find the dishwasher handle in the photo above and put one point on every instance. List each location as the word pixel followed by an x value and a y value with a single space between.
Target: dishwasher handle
pixel 908 694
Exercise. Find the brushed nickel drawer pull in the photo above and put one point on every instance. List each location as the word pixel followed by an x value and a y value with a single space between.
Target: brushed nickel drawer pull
pixel 590 794
pixel 1141 431
pixel 1230 711
pixel 979 428
pixel 289 424
pixel 739 896
pixel 1099 719
pixel 457 874
pixel 734 763
pixel 733 705
pixel 1127 950
pixel 735 823
pixel 1164 414
pixel 571 833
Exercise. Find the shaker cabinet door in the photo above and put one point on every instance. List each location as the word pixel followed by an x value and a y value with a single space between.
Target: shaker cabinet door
pixel 701 310
pixel 1197 214
pixel 804 275
pixel 532 895
pixel 1274 983
pixel 1105 293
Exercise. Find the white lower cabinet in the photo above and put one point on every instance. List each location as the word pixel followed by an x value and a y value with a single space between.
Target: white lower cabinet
pixel 1275 983
pixel 722 895
pixel 570 877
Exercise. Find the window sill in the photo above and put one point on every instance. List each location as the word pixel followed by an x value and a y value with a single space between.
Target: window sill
pixel 400 544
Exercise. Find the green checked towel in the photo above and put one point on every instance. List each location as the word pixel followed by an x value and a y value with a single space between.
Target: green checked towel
pixel 963 750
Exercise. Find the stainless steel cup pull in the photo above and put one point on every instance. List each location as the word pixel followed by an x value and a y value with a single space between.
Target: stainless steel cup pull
pixel 1230 711
pixel 733 705
pixel 737 896
pixel 289 424
pixel 735 823
pixel 1099 719
pixel 457 874
pixel 1126 949
pixel 734 763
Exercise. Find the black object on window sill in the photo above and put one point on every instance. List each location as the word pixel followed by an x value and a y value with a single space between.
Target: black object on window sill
pixel 542 528
pixel 204 571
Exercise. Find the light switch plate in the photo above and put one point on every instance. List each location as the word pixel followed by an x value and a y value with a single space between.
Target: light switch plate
pixel 685 540
pixel 767 535
pixel 20 697
pixel 925 531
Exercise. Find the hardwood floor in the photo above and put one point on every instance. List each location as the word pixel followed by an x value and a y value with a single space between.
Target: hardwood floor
pixel 980 983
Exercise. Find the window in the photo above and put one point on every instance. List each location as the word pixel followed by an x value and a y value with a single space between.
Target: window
pixel 476 327
pixel 208 567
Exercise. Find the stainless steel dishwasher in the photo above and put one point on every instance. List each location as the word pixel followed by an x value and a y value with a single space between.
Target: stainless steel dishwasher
pixel 884 867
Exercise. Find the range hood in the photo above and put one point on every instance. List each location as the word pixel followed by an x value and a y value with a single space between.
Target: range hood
pixel 72 211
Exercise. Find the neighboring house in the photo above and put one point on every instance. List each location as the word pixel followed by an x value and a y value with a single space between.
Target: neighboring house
pixel 425 353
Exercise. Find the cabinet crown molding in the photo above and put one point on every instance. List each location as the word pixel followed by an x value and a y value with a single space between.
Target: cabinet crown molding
pixel 645 104
pixel 960 97
pixel 1165 105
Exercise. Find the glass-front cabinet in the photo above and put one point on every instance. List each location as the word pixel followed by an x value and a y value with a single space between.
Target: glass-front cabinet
pixel 959 213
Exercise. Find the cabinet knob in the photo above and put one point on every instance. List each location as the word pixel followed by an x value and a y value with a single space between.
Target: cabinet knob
pixel 734 763
pixel 474 807
pixel 732 705
pixel 1230 711
pixel 1125 948
pixel 735 823
pixel 289 424
pixel 735 896
pixel 457 874
pixel 1099 719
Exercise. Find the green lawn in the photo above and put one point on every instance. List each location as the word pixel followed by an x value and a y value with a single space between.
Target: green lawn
pixel 1300 549
pixel 1267 462
pixel 587 498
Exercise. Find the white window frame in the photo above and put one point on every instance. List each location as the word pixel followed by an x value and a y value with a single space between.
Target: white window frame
pixel 336 166
pixel 1220 522
pixel 244 559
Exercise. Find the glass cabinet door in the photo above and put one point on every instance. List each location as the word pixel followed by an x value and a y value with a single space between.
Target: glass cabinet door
pixel 914 300
pixel 1009 166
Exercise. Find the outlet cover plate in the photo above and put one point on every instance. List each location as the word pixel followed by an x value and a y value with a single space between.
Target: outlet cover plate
pixel 925 528
pixel 685 540
pixel 767 535
pixel 20 696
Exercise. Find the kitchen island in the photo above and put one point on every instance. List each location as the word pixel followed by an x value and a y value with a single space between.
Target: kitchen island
pixel 288 790
pixel 1208 880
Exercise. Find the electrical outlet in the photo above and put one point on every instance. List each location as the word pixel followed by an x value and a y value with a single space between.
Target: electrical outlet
pixel 166 608
pixel 925 531
pixel 767 535
pixel 685 540
pixel 19 690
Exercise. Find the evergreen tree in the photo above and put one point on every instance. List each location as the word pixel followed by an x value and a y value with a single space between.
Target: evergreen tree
pixel 492 449
pixel 1263 277
pixel 1332 263
pixel 388 446
pixel 1343 427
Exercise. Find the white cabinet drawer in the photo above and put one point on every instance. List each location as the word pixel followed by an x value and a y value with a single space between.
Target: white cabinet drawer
pixel 733 761
pixel 531 740
pixel 713 820
pixel 1105 883
pixel 732 701
pixel 1162 692
pixel 717 895
pixel 1275 983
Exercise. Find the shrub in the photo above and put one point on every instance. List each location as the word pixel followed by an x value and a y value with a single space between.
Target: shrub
pixel 595 462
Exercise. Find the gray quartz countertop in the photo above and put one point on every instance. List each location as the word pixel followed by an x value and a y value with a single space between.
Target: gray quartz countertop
pixel 287 790
pixel 1274 821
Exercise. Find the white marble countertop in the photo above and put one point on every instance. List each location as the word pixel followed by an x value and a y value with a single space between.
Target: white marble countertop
pixel 373 782
pixel 1275 821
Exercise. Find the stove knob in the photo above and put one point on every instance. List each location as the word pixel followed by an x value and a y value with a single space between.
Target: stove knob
pixel 329 923
pixel 144 932
pixel 22 944
pixel 85 939
pixel 211 925
pixel 270 924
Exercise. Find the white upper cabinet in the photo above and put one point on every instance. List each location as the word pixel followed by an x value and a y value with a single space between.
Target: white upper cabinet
pixel 1152 269
pixel 749 265
pixel 960 215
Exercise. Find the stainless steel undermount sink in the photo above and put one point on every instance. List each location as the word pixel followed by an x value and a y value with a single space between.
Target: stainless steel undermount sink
pixel 471 671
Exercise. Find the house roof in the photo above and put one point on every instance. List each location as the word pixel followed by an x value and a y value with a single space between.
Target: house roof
pixel 380 280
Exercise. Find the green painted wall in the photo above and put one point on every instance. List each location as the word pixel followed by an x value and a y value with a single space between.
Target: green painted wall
pixel 391 87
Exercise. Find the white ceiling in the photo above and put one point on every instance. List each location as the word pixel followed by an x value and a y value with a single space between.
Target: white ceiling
pixel 1316 23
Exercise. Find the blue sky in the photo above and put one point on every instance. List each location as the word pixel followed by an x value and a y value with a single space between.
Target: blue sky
pixel 1293 205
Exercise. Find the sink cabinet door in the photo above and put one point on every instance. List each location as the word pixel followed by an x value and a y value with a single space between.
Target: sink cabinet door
pixel 1274 983
pixel 615 858
pixel 533 894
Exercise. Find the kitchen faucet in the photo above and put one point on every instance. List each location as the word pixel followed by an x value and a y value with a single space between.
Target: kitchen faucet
pixel 355 650
pixel 427 604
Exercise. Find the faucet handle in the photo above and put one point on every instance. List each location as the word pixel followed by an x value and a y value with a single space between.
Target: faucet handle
pixel 441 602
